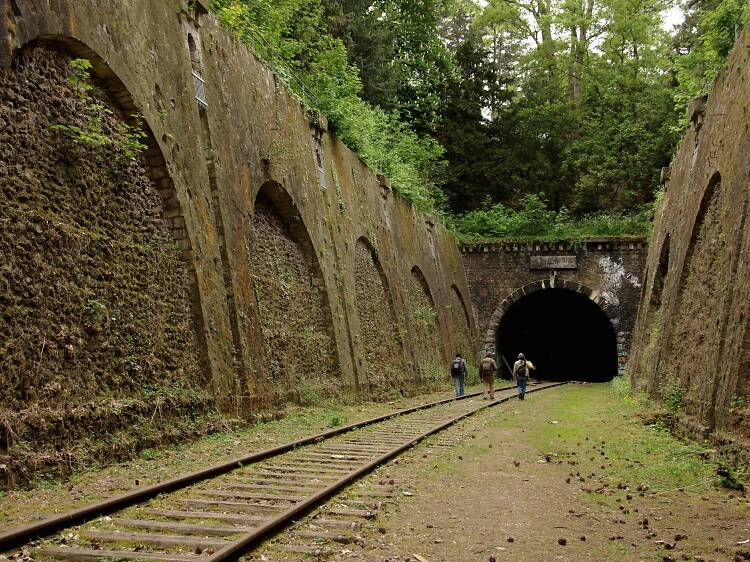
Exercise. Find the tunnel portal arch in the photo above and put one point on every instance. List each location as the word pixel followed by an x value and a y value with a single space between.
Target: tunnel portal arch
pixel 536 320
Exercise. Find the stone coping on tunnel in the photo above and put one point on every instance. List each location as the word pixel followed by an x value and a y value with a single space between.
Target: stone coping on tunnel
pixel 603 243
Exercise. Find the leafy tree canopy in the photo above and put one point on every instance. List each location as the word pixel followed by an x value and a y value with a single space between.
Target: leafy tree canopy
pixel 546 118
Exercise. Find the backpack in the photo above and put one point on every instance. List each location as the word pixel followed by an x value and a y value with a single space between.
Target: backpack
pixel 456 370
pixel 522 370
pixel 486 368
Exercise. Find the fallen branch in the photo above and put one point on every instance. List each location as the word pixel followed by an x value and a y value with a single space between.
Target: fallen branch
pixel 682 488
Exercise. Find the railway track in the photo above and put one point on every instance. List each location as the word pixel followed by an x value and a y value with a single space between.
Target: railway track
pixel 222 512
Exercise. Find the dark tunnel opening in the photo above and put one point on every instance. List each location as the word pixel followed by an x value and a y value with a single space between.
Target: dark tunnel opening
pixel 566 335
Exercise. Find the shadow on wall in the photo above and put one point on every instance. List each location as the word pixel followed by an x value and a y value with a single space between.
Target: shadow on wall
pixel 565 334
pixel 461 322
pixel 299 356
pixel 426 330
pixel 379 334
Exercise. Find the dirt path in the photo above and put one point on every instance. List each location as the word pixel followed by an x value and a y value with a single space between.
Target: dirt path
pixel 570 474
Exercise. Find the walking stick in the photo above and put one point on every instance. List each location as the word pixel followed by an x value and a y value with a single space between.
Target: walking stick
pixel 508 366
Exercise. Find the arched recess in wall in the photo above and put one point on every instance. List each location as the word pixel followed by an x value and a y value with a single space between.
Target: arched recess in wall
pixel 698 319
pixel 300 355
pixel 425 325
pixel 648 362
pixel 714 186
pixel 461 324
pixel 97 239
pixel 379 333
pixel 660 277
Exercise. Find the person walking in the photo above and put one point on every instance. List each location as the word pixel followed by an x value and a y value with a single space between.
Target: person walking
pixel 487 370
pixel 458 372
pixel 521 373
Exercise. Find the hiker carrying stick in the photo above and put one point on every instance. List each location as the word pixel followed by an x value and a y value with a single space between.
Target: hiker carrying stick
pixel 521 374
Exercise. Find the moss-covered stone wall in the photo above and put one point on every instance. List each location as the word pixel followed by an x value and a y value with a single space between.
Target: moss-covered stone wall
pixel 300 357
pixel 96 313
pixel 691 341
pixel 218 271
pixel 426 330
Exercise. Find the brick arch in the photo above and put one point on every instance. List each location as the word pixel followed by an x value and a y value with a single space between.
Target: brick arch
pixel 156 165
pixel 596 296
pixel 157 171
pixel 283 203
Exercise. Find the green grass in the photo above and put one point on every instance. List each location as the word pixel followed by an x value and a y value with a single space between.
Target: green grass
pixel 598 426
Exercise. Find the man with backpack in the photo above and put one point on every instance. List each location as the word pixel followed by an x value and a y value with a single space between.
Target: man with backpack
pixel 458 372
pixel 521 374
pixel 487 369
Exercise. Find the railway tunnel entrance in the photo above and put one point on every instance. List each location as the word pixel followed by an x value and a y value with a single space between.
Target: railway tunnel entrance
pixel 564 333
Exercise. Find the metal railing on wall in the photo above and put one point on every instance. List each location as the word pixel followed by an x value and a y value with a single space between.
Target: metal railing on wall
pixel 200 89
pixel 282 70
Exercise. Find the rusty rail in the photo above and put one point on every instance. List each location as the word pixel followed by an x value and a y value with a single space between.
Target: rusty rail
pixel 237 548
pixel 18 536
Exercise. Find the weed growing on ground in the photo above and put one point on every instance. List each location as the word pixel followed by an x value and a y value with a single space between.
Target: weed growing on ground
pixel 620 388
pixel 673 394
pixel 730 478
pixel 736 403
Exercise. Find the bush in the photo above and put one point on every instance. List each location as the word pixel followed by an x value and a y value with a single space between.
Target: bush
pixel 534 221
pixel 673 394
pixel 316 69
pixel 620 387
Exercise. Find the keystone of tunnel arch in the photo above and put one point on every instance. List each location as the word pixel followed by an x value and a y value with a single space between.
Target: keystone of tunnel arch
pixel 566 328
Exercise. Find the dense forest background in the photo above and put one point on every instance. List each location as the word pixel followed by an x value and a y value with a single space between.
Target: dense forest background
pixel 509 118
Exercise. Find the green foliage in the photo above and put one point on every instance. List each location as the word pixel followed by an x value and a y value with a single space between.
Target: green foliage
pixel 292 38
pixel 736 403
pixel 130 141
pixel 80 77
pixel 425 316
pixel 475 106
pixel 97 310
pixel 730 478
pixel 567 100
pixel 533 220
pixel 335 419
pixel 673 393
pixel 127 140
pixel 620 387
pixel 703 44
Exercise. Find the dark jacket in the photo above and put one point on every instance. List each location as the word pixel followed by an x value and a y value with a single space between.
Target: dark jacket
pixel 462 365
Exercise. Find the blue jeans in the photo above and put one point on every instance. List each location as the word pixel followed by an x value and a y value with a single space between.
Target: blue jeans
pixel 521 387
pixel 458 382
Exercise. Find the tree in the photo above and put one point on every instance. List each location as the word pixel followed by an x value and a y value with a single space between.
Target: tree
pixel 405 65
pixel 702 43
